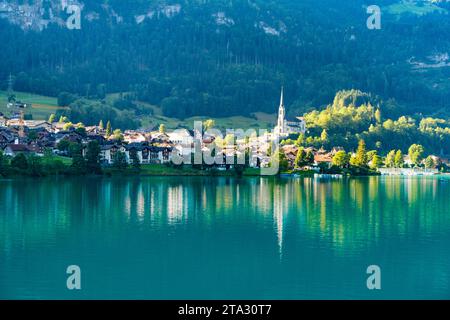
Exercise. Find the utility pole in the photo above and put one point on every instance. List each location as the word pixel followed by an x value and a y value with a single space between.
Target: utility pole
pixel 10 85
pixel 16 107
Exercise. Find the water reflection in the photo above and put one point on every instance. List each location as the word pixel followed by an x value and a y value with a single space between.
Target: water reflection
pixel 263 218
pixel 278 214
pixel 351 213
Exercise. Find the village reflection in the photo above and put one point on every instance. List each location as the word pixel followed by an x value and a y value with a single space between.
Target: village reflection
pixel 349 215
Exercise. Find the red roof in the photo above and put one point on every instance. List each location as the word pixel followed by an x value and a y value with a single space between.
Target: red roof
pixel 322 158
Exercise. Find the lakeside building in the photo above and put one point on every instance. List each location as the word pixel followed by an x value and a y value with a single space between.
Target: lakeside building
pixel 14 149
pixel 322 157
pixel 284 128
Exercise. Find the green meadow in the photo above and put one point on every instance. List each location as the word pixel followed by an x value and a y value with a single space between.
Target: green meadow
pixel 42 106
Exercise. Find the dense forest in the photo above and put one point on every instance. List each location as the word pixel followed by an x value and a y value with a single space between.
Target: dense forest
pixel 230 57
pixel 355 116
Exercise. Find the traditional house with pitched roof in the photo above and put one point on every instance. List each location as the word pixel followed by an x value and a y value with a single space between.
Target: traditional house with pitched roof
pixel 14 149
pixel 107 153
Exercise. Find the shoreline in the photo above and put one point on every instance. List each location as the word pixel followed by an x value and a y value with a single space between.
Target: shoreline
pixel 214 175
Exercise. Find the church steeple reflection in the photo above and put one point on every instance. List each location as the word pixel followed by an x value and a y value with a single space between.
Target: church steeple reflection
pixel 278 216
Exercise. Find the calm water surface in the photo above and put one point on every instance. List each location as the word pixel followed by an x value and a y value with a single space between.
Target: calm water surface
pixel 223 238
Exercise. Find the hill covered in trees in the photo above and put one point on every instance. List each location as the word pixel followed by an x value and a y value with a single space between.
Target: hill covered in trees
pixel 230 57
pixel 355 116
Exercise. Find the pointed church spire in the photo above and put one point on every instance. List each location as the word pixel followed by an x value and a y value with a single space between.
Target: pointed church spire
pixel 281 123
pixel 282 97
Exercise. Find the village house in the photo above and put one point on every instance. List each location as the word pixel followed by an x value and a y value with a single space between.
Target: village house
pixel 148 154
pixel 159 138
pixel 69 135
pixel 58 126
pixel 30 124
pixel 94 137
pixel 181 137
pixel 131 136
pixel 321 156
pixel 323 159
pixel 290 152
pixel 230 157
pixel 107 153
pixel 157 155
pixel 6 137
pixel 438 160
pixel 182 140
pixel 14 149
pixel 3 121
pixel 94 130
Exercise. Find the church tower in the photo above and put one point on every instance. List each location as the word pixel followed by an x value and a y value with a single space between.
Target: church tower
pixel 280 129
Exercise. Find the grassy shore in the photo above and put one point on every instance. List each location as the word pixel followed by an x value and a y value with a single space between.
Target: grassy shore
pixel 164 170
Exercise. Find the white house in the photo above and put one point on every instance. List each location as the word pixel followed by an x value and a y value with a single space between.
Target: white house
pixel 131 136
pixel 3 121
pixel 14 149
pixel 181 137
pixel 107 153
pixel 182 140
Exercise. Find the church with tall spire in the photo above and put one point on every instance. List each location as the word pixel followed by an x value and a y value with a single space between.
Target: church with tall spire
pixel 285 128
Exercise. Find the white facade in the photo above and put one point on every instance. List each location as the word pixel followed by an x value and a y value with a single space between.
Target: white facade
pixel 284 128
pixel 181 137
pixel 182 140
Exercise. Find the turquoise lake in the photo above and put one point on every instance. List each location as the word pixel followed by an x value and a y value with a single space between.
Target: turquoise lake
pixel 225 238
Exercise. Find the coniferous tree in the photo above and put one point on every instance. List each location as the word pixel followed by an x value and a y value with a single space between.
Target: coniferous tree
pixel 376 162
pixel 135 162
pixel 361 156
pixel 52 118
pixel 378 116
pixel 93 158
pixel 3 164
pixel 324 136
pixel 120 161
pixel 78 162
pixel 108 129
pixel 300 159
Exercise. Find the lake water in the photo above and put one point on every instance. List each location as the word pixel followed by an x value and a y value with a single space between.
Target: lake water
pixel 225 238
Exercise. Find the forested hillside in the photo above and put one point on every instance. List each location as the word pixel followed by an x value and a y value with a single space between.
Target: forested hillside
pixel 222 58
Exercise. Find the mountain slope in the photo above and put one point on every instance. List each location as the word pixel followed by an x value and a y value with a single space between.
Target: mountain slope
pixel 222 58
